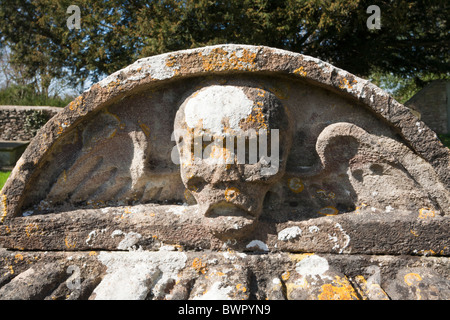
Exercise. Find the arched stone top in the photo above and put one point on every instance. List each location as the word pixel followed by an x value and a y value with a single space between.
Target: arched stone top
pixel 215 61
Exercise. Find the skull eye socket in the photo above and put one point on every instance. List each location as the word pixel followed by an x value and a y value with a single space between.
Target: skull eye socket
pixel 196 184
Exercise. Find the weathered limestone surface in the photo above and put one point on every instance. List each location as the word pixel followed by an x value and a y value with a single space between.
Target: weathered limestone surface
pixel 109 202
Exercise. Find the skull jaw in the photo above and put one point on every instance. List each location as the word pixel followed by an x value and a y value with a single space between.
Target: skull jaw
pixel 227 221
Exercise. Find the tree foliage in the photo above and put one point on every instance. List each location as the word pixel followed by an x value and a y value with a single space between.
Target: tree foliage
pixel 413 40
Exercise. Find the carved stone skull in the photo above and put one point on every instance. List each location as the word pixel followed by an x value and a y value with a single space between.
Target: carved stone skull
pixel 233 143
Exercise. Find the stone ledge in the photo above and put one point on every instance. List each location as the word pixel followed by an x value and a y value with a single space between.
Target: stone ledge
pixel 150 226
pixel 171 274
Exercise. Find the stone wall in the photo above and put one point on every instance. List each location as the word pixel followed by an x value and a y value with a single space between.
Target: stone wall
pixel 433 104
pixel 20 123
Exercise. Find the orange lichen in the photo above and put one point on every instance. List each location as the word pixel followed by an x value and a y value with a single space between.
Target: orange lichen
pixel 220 60
pixel 414 233
pixel 3 207
pixel 75 104
pixel 285 276
pixel 68 244
pixel 231 194
pixel 7 230
pixel 343 83
pixel 368 289
pixel 218 153
pixel 171 63
pixel 61 127
pixel 358 208
pixel 297 257
pixel 145 129
pixel 300 71
pixel 199 266
pixel 296 185
pixel 120 124
pixel 425 213
pixel 31 228
pixel 257 117
pixel 11 270
pixel 241 287
pixel 412 278
pixel 340 289
pixel 18 257
pixel 328 211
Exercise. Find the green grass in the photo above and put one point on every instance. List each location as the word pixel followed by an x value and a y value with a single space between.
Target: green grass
pixel 3 176
pixel 445 138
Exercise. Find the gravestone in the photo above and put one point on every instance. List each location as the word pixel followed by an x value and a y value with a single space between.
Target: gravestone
pixel 433 105
pixel 229 172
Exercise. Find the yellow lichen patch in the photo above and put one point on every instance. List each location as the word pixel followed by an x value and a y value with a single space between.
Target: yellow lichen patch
pixel 144 129
pixel 61 127
pixel 7 230
pixel 286 275
pixel 221 154
pixel 171 63
pixel 31 228
pixel 425 213
pixel 414 233
pixel 178 247
pixel 68 244
pixel 301 283
pixel 217 273
pixel 241 287
pixel 75 104
pixel 3 206
pixel 220 60
pixel 126 213
pixel 358 208
pixel 412 278
pixel 256 118
pixel 199 266
pixel 296 185
pixel 114 84
pixel 300 71
pixel 428 252
pixel 368 290
pixel 121 125
pixel 344 83
pixel 328 211
pixel 231 194
pixel 18 257
pixel 297 257
pixel 340 289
